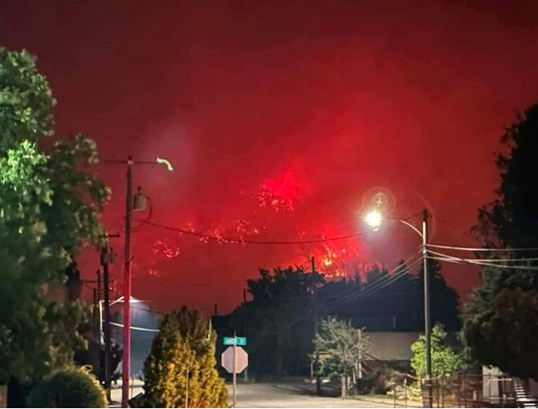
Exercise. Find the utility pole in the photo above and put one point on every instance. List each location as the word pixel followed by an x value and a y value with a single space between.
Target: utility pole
pixel 99 317
pixel 95 314
pixel 245 328
pixel 359 333
pixel 316 332
pixel 427 308
pixel 107 258
pixel 127 283
pixel 375 219
pixel 98 274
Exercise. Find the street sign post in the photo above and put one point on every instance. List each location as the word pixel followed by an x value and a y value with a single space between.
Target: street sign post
pixel 239 341
pixel 234 359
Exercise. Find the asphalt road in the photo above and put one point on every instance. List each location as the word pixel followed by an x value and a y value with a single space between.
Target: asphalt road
pixel 284 395
pixel 279 394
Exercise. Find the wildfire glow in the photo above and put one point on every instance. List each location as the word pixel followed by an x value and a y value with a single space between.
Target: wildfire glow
pixel 267 198
pixel 335 259
pixel 166 248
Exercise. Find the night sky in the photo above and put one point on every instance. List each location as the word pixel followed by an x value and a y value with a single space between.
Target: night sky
pixel 280 117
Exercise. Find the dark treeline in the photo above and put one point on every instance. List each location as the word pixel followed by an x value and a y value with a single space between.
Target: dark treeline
pixel 279 320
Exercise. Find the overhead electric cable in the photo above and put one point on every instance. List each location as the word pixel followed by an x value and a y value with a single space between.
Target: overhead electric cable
pixel 116 324
pixel 258 242
pixel 500 260
pixel 458 260
pixel 438 246
pixel 391 277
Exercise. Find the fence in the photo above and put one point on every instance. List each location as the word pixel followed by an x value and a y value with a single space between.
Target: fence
pixel 457 391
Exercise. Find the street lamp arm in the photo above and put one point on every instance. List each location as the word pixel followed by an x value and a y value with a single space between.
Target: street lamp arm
pixel 412 227
pixel 159 161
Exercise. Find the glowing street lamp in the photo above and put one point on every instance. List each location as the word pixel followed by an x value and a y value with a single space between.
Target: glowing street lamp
pixel 375 220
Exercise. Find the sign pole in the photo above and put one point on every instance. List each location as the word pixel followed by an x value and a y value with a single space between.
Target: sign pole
pixel 235 360
pixel 234 372
pixel 187 390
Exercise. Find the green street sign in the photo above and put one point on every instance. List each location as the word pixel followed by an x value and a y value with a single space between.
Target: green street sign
pixel 235 341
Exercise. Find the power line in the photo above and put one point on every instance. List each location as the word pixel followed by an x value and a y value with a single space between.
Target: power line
pixel 352 291
pixel 517 267
pixel 230 240
pixel 116 324
pixel 371 291
pixel 377 285
pixel 454 227
pixel 499 260
pixel 480 249
pixel 481 260
pixel 459 260
pixel 148 310
pixel 167 282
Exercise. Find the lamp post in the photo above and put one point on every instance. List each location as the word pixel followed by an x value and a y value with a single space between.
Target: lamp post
pixel 131 203
pixel 375 220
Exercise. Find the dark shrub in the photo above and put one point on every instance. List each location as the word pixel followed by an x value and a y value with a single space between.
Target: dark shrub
pixel 380 376
pixel 365 386
pixel 68 388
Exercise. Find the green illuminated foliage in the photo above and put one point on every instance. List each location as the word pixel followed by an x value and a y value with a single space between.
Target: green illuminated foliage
pixel 183 358
pixel 344 348
pixel 25 100
pixel 445 361
pixel 49 209
pixel 68 388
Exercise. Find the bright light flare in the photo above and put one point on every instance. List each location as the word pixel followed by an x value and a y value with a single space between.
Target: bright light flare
pixel 374 219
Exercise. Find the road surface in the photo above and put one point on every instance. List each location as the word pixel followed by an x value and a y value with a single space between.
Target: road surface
pixel 284 395
pixel 278 394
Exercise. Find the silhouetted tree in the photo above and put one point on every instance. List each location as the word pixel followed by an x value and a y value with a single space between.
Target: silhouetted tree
pixel 509 222
pixel 507 333
pixel 444 300
pixel 279 320
pixel 396 301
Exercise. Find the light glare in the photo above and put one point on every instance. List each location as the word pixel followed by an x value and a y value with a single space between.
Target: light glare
pixel 374 219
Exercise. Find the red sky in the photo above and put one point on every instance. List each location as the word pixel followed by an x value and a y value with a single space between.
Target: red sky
pixel 318 101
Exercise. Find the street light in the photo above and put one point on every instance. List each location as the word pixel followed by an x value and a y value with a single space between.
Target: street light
pixel 375 219
pixel 131 203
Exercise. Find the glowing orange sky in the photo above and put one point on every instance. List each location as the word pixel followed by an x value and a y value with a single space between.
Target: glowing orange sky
pixel 317 100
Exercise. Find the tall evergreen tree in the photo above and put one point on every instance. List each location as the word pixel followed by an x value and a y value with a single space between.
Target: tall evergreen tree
pixel 344 347
pixel 509 222
pixel 280 320
pixel 180 369
pixel 444 299
pixel 165 370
